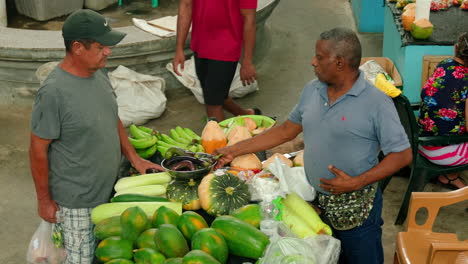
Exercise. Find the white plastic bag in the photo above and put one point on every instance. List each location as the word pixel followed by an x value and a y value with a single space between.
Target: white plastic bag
pixel 190 80
pixel 292 179
pixel 325 248
pixel 41 248
pixel 140 97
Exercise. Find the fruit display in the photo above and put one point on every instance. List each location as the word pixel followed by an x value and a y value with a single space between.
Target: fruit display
pixel 273 157
pixel 255 123
pixel 185 192
pixel 190 223
pixel 250 213
pixel 212 137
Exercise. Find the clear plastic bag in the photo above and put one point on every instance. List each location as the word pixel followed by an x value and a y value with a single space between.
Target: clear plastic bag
pixel 321 249
pixel 45 246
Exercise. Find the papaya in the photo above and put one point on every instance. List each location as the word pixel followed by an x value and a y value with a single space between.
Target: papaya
pixel 250 213
pixel 146 239
pixel 133 221
pixel 189 223
pixel 148 256
pixel 173 261
pixel 108 227
pixel 114 248
pixel 211 242
pixel 170 241
pixel 164 215
pixel 199 257
pixel 242 239
pixel 119 261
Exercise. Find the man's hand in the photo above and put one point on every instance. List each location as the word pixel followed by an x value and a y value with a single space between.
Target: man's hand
pixel 142 166
pixel 248 74
pixel 47 210
pixel 342 183
pixel 225 158
pixel 179 59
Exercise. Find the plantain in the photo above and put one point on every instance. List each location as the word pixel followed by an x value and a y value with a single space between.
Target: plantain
pixel 143 143
pixel 175 136
pixel 192 134
pixel 162 150
pixel 171 141
pixel 184 135
pixel 146 129
pixel 138 133
pixel 148 152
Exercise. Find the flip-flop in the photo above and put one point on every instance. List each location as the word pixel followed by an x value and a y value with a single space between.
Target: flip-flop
pixel 448 185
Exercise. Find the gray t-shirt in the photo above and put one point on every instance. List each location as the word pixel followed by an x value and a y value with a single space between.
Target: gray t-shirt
pixel 80 115
pixel 348 134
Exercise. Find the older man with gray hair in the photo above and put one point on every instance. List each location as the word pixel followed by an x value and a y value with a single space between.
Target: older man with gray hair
pixel 346 122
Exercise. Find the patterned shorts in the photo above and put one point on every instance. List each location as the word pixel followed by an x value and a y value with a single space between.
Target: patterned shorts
pixel 78 235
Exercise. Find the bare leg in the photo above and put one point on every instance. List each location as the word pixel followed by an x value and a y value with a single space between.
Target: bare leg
pixel 454 180
pixel 235 109
pixel 215 111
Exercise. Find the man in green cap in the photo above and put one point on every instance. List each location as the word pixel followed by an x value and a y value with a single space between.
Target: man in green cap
pixel 77 137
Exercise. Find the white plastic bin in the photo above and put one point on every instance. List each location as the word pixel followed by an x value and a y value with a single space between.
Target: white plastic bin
pixel 42 10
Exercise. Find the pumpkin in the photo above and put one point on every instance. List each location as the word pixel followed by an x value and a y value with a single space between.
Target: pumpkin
pixel 212 137
pixel 246 162
pixel 282 158
pixel 407 18
pixel 238 133
pixel 185 192
pixel 299 159
pixel 222 194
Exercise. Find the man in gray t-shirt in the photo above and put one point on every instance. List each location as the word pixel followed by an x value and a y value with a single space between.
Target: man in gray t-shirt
pixel 77 137
pixel 345 121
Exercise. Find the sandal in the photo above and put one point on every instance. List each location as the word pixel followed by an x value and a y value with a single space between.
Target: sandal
pixel 449 184
pixel 257 111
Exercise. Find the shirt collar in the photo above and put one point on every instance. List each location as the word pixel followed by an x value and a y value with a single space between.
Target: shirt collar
pixel 358 87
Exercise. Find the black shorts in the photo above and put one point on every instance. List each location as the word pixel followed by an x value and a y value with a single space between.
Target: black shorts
pixel 215 78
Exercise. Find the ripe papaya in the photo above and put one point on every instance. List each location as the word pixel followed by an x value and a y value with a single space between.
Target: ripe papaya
pixel 114 248
pixel 148 256
pixel 199 257
pixel 108 227
pixel 146 239
pixel 164 215
pixel 133 221
pixel 242 239
pixel 189 223
pixel 170 241
pixel 250 213
pixel 211 242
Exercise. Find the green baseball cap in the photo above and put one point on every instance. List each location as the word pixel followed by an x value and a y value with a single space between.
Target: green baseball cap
pixel 89 24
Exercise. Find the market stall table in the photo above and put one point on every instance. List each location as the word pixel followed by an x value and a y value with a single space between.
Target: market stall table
pixel 408 53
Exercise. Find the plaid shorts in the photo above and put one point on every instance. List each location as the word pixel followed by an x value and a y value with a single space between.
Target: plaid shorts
pixel 78 237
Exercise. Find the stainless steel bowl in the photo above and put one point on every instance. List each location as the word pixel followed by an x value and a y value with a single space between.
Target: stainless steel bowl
pixel 187 175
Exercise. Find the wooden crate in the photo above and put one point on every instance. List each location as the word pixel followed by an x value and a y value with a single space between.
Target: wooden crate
pixel 429 65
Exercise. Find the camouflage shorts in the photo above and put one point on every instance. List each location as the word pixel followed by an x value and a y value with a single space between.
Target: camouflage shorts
pixel 78 237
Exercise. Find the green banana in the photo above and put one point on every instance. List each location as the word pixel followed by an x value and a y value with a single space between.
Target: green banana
pixel 192 134
pixel 146 129
pixel 162 150
pixel 193 148
pixel 175 136
pixel 147 153
pixel 200 148
pixel 171 141
pixel 138 133
pixel 182 134
pixel 164 144
pixel 143 143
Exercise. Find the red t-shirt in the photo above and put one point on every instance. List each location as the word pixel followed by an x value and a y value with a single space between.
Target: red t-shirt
pixel 217 28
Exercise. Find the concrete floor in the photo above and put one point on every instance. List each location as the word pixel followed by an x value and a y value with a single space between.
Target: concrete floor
pixel 294 27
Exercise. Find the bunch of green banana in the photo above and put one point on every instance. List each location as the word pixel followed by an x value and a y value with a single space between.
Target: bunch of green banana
pixel 143 140
pixel 180 137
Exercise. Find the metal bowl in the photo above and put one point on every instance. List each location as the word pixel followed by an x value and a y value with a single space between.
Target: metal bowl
pixel 187 175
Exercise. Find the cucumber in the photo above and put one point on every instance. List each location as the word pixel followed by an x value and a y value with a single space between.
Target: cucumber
pixel 129 197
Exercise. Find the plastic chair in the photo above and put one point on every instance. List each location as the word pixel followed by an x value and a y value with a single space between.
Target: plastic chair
pixel 419 244
pixel 154 3
pixel 422 170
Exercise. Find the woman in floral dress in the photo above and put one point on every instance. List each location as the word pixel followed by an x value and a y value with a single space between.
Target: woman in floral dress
pixel 444 112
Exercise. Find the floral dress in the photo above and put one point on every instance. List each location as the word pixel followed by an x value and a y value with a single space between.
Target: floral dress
pixel 442 110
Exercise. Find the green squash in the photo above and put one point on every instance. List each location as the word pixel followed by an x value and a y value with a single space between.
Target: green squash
pixel 222 194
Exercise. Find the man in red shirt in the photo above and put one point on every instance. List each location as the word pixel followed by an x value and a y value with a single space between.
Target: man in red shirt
pixel 221 30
